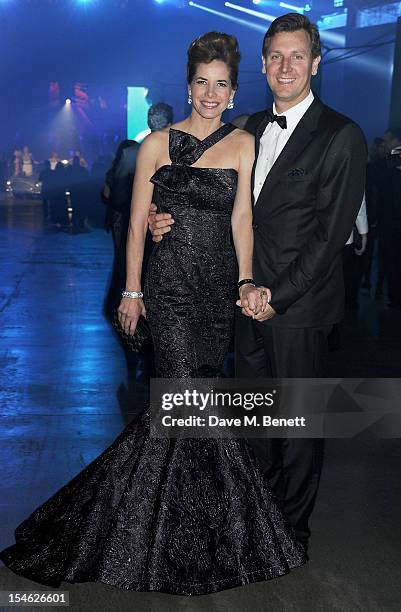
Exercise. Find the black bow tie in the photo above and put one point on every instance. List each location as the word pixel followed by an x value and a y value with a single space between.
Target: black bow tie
pixel 281 119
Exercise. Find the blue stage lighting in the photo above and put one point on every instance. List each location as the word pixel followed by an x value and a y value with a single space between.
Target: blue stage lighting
pixel 291 7
pixel 159 1
pixel 248 24
pixel 256 1
pixel 242 9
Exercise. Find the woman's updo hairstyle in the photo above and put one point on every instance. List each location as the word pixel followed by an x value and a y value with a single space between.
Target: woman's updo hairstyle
pixel 214 46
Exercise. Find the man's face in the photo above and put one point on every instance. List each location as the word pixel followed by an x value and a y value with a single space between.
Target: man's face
pixel 288 66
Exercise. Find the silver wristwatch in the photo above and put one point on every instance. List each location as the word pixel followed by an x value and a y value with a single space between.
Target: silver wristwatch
pixel 132 294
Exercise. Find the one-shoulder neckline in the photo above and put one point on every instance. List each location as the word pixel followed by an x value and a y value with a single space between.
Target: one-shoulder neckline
pixel 198 168
pixel 207 137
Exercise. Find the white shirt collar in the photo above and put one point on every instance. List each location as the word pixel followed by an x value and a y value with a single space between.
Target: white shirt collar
pixel 295 113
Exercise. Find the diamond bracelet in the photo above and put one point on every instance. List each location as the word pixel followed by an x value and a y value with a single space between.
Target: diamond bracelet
pixel 132 294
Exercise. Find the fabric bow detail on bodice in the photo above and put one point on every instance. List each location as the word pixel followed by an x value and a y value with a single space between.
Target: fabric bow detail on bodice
pixel 184 150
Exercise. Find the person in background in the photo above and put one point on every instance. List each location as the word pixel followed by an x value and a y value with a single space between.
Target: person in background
pixel 353 269
pixel 58 202
pixel 27 161
pixel 160 116
pixel 53 160
pixel 388 138
pixel 374 176
pixel 353 258
pixel 389 219
pixel 78 183
pixel 3 172
pixel 97 178
pixel 17 162
pixel 46 177
pixel 82 160
pixel 116 195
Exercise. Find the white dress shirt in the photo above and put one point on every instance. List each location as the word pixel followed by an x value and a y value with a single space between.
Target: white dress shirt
pixel 274 139
pixel 361 222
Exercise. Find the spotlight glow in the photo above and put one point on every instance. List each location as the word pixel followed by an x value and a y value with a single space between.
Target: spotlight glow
pixel 291 7
pixel 248 24
pixel 242 9
pixel 68 101
pixel 333 38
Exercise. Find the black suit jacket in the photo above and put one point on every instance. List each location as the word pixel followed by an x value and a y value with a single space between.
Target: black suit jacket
pixel 305 213
pixel 121 189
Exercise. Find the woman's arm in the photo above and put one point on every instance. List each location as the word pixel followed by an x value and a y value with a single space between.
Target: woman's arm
pixel 131 308
pixel 241 219
pixel 241 222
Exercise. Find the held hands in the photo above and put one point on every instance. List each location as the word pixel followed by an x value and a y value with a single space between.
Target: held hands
pixel 129 312
pixel 159 223
pixel 254 302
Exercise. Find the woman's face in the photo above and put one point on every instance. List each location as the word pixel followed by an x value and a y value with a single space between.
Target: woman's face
pixel 211 89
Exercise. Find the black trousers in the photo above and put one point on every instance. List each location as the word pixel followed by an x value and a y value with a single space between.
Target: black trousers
pixel 390 247
pixel 353 267
pixel 293 466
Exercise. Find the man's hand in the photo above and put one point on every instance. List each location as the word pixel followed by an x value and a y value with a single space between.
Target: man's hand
pixel 364 241
pixel 159 223
pixel 268 313
pixel 253 300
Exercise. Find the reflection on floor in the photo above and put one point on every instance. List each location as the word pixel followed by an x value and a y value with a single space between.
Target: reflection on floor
pixel 63 400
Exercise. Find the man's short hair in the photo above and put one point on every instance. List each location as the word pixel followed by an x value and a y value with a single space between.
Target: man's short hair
pixel 292 22
pixel 159 116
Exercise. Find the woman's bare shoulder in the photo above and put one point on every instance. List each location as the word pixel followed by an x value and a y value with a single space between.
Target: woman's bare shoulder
pixel 180 125
pixel 154 142
pixel 244 138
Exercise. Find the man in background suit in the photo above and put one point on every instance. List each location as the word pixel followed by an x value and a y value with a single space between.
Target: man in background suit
pixel 389 218
pixel 308 184
pixel 117 194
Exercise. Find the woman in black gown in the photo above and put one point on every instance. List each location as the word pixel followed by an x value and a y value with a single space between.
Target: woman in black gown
pixel 186 516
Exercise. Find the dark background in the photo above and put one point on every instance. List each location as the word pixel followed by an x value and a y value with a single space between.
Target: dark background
pixel 114 44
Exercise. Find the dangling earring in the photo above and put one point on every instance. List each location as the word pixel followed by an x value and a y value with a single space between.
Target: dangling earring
pixel 230 104
pixel 189 98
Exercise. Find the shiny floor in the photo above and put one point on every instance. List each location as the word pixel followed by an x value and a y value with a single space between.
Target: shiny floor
pixel 65 396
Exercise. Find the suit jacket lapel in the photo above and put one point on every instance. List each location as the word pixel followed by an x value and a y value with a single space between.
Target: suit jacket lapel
pixel 298 141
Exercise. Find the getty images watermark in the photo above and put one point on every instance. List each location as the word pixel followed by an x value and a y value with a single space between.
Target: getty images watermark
pixel 275 408
pixel 204 401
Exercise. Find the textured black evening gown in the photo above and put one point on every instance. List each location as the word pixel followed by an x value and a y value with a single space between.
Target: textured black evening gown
pixel 188 516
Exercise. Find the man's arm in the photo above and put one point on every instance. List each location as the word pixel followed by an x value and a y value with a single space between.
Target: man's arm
pixel 339 195
pixel 362 226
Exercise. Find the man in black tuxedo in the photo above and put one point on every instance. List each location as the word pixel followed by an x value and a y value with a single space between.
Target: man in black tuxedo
pixel 308 184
